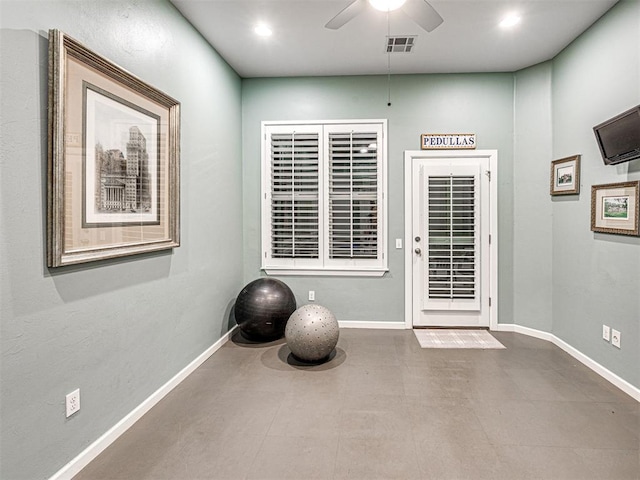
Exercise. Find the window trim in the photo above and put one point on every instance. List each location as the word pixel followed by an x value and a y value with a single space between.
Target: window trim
pixel 304 268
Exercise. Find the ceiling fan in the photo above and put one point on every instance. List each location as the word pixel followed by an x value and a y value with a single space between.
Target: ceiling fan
pixel 420 11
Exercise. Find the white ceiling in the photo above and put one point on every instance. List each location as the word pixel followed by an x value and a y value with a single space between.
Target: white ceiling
pixel 469 40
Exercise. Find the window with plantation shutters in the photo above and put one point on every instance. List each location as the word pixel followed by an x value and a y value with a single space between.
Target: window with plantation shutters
pixel 323 198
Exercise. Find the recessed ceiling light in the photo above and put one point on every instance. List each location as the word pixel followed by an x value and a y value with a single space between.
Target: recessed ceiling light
pixel 386 5
pixel 510 21
pixel 263 30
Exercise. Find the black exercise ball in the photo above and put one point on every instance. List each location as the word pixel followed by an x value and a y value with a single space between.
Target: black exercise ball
pixel 263 308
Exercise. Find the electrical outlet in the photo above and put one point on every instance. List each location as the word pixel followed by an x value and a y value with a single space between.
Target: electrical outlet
pixel 312 295
pixel 606 332
pixel 615 338
pixel 73 402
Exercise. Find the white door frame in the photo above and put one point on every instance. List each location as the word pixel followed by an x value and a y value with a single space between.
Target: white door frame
pixel 409 157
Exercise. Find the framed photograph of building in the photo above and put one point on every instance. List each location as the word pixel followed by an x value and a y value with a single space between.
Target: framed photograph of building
pixel 565 176
pixel 615 207
pixel 114 166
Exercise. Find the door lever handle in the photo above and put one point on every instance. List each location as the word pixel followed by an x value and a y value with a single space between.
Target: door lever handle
pixel 418 251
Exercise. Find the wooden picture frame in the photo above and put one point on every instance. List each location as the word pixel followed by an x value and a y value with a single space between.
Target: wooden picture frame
pixel 114 160
pixel 565 176
pixel 615 208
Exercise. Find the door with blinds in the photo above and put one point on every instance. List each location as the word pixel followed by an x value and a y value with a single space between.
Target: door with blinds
pixel 451 240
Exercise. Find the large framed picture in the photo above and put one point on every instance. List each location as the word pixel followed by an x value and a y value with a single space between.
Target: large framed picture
pixel 565 176
pixel 614 208
pixel 114 166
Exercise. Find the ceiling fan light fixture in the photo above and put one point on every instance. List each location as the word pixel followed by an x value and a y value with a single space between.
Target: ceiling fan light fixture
pixel 386 5
pixel 263 30
pixel 510 20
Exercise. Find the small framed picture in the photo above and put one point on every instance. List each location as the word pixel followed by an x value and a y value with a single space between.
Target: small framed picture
pixel 614 208
pixel 114 147
pixel 565 176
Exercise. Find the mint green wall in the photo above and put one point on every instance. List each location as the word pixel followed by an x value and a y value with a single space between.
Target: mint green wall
pixel 590 279
pixel 596 277
pixel 478 103
pixel 118 330
pixel 532 239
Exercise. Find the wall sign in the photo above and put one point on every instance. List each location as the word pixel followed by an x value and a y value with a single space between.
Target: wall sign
pixel 441 141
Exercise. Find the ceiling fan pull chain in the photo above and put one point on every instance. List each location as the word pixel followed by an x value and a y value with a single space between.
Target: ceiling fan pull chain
pixel 388 62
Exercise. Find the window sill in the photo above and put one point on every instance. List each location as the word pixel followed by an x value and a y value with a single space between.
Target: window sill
pixel 326 272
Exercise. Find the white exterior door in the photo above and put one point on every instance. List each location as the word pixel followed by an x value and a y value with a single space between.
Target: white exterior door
pixel 449 245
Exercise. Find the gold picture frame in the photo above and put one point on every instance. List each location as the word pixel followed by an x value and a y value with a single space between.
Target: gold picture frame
pixel 114 160
pixel 615 208
pixel 565 176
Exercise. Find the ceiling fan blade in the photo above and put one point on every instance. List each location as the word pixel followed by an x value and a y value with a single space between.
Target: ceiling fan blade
pixel 346 15
pixel 423 14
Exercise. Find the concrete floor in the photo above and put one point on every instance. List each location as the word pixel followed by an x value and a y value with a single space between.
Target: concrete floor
pixel 383 408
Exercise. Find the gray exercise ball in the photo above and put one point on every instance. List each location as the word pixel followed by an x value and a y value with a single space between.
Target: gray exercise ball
pixel 312 333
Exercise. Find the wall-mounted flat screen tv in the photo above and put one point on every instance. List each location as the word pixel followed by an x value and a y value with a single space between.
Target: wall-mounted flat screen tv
pixel 619 137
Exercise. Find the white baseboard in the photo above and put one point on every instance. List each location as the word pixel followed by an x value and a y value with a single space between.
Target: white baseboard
pixel 608 375
pixel 378 325
pixel 97 447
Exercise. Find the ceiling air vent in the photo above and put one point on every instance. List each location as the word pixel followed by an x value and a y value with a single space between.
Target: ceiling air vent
pixel 400 44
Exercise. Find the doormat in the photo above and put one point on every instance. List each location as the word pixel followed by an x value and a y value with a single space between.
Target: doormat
pixel 438 338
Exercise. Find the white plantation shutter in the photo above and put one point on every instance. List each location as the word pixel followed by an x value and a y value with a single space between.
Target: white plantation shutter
pixel 353 195
pixel 323 198
pixel 294 195
pixel 453 236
